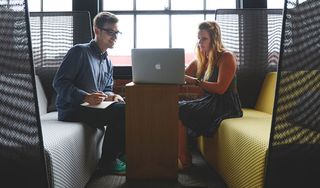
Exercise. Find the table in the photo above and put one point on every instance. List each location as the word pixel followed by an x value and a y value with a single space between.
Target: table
pixel 151 131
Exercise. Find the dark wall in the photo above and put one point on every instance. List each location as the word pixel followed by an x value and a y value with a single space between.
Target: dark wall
pixel 253 4
pixel 86 5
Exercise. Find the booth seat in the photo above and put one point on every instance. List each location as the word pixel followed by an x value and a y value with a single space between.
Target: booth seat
pixel 72 150
pixel 238 150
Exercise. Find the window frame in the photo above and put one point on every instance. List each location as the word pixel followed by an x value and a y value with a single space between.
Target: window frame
pixel 42 6
pixel 169 12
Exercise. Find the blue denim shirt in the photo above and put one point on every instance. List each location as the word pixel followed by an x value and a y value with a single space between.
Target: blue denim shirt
pixel 84 69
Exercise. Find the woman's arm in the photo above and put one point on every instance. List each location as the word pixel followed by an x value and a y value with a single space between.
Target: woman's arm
pixel 190 73
pixel 227 69
pixel 191 70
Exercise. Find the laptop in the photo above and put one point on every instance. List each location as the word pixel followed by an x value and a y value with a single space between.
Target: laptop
pixel 158 66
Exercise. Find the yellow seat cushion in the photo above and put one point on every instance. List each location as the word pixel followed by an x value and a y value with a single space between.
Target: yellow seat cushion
pixel 238 150
pixel 248 112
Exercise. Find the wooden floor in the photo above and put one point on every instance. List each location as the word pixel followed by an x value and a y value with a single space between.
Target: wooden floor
pixel 199 176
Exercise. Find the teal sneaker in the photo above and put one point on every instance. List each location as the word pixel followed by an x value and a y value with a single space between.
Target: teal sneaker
pixel 119 167
pixel 116 167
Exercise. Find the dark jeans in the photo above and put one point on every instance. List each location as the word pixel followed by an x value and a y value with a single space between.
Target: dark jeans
pixel 114 118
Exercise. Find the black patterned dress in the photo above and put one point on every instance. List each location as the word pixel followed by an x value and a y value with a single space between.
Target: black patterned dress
pixel 204 115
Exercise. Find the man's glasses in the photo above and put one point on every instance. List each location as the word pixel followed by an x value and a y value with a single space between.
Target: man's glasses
pixel 111 32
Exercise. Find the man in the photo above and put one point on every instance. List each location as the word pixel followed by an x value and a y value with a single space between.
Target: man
pixel 86 75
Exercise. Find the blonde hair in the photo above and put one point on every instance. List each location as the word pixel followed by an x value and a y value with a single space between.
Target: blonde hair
pixel 216 47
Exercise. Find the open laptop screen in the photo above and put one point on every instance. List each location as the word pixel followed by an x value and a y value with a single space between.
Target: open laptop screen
pixel 158 66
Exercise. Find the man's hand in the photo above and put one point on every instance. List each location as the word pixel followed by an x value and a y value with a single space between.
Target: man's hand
pixel 114 97
pixel 118 98
pixel 95 98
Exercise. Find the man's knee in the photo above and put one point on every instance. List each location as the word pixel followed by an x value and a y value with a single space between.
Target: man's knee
pixel 118 109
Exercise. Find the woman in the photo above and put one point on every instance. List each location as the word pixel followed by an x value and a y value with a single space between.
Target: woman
pixel 214 70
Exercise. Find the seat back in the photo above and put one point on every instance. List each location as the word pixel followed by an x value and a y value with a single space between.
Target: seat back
pixel 53 34
pixel 294 147
pixel 254 36
pixel 42 100
pixel 22 162
pixel 266 96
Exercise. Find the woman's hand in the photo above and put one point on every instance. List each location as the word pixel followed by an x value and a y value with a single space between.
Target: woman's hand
pixel 190 80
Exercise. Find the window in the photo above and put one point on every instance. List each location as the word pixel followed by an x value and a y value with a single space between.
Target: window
pixel 49 5
pixel 220 4
pixel 152 5
pixel 159 24
pixel 152 31
pixel 124 44
pixel 187 5
pixel 275 4
pixel 188 29
pixel 34 5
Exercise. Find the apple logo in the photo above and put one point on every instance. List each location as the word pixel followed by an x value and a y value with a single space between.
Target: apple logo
pixel 157 66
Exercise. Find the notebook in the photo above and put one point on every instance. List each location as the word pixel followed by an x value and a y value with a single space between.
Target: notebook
pixel 158 66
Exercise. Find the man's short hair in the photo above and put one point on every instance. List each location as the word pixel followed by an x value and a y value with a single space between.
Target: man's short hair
pixel 103 18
